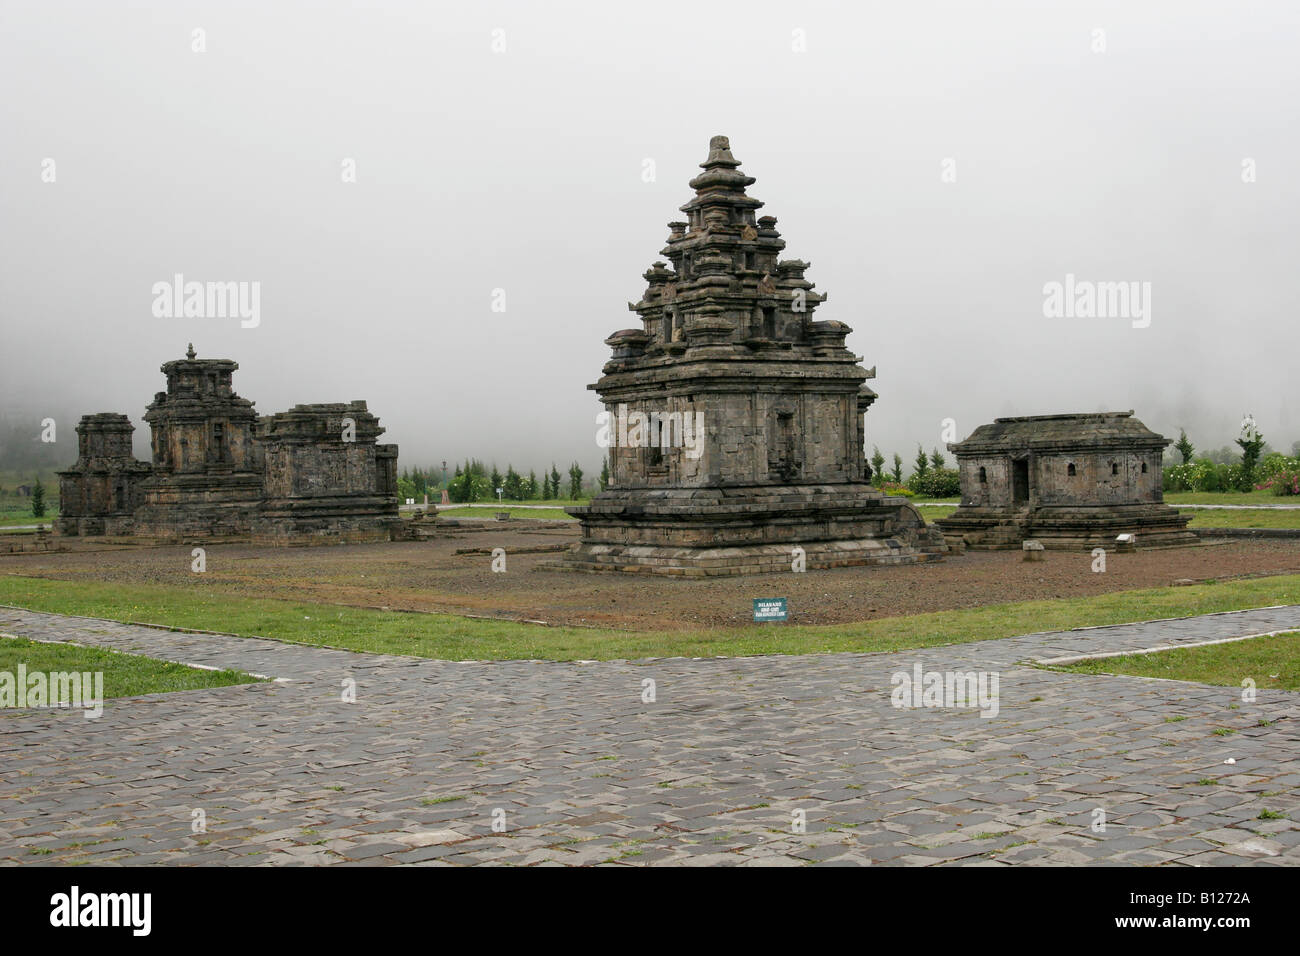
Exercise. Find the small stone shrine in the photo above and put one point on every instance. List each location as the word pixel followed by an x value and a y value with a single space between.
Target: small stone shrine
pixel 1067 481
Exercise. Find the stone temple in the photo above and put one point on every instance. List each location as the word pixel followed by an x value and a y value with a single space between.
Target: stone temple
pixel 1066 481
pixel 100 493
pixel 735 420
pixel 312 475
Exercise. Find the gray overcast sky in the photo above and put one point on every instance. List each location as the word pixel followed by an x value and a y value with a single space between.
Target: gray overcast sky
pixel 522 170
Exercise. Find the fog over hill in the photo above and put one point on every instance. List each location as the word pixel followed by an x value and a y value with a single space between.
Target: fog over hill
pixel 389 173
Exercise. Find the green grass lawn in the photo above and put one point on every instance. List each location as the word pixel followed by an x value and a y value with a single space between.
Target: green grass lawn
pixel 15 516
pixel 1265 497
pixel 447 636
pixel 125 675
pixel 1246 518
pixel 550 502
pixel 489 514
pixel 933 512
pixel 1260 658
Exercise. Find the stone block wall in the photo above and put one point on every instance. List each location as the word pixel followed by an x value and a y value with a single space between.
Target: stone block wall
pixel 100 492
pixel 312 474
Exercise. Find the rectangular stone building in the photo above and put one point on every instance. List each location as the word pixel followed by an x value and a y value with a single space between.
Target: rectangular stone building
pixel 326 476
pixel 1067 481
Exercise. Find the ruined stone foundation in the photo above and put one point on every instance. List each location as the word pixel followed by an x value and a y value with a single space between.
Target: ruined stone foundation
pixel 750 530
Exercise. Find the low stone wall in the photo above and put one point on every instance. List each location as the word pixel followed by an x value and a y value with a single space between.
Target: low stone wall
pixel 714 562
pixel 749 530
pixel 1068 529
pixel 25 542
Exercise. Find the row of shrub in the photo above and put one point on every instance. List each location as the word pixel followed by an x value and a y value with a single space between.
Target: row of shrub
pixel 1280 474
pixel 1276 472
pixel 935 483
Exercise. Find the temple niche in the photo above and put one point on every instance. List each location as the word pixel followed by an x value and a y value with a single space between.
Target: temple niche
pixel 315 474
pixel 736 420
pixel 1066 481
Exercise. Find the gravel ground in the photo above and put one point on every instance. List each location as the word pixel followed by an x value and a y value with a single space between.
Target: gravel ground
pixel 430 576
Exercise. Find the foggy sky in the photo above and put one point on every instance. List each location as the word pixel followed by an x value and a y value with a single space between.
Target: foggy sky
pixel 523 171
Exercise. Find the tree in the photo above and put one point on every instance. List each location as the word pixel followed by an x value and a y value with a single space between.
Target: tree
pixel 936 459
pixel 555 482
pixel 922 462
pixel 897 473
pixel 877 464
pixel 604 473
pixel 1184 446
pixel 38 499
pixel 575 481
pixel 470 483
pixel 530 486
pixel 513 484
pixel 1250 442
pixel 496 479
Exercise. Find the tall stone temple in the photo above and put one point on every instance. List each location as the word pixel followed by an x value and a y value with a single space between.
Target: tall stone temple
pixel 315 474
pixel 735 420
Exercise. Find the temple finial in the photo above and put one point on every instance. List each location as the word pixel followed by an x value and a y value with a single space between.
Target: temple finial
pixel 190 353
pixel 720 154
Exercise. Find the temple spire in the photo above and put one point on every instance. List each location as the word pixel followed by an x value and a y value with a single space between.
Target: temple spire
pixel 720 154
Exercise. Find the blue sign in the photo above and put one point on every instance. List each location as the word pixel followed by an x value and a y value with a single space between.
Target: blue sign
pixel 769 609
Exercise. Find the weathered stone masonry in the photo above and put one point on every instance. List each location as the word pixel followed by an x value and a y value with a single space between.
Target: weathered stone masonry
pixel 100 493
pixel 1067 481
pixel 314 474
pixel 319 483
pixel 727 333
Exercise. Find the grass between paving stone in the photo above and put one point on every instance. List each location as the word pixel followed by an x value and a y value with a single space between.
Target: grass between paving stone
pixel 125 675
pixel 1271 662
pixel 447 636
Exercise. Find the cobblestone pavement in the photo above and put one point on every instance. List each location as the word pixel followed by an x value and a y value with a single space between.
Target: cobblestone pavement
pixel 579 769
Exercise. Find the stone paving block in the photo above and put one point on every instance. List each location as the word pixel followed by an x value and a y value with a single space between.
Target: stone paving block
pixel 264 761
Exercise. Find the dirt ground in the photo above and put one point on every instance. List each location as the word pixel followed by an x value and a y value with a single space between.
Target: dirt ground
pixel 430 576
